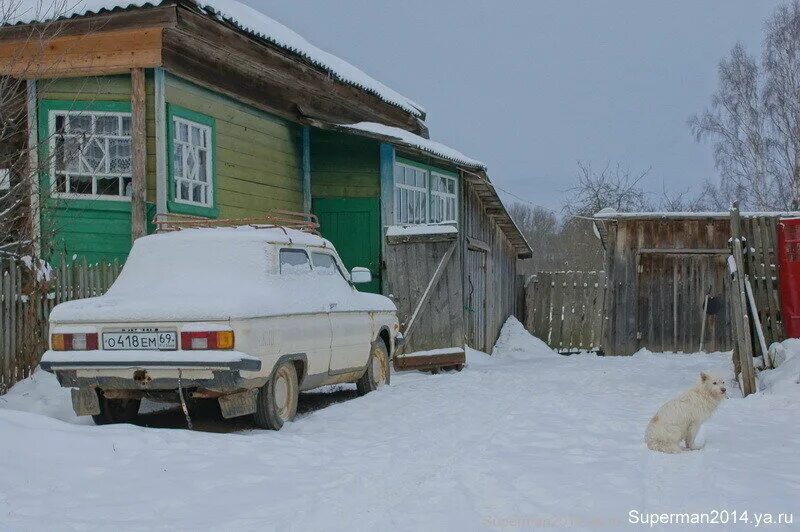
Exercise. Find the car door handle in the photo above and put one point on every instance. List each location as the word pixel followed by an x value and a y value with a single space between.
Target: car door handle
pixel 333 306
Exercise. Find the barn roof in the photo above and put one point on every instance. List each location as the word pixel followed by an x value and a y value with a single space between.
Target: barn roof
pixel 700 215
pixel 245 18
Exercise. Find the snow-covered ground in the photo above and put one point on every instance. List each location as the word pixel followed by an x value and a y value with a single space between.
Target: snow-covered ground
pixel 524 439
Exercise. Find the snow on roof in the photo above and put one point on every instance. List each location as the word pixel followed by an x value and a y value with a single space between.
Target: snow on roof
pixel 243 17
pixel 407 138
pixel 690 215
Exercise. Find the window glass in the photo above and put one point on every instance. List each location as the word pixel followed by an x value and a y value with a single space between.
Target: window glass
pixel 325 264
pixel 91 153
pixel 423 196
pixel 294 261
pixel 192 164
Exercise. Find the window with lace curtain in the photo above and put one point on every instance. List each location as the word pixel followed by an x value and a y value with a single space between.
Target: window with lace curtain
pixel 90 153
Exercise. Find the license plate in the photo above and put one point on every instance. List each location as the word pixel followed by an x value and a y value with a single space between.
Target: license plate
pixel 140 340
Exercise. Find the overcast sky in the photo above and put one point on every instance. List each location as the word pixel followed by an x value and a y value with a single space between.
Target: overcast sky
pixel 530 87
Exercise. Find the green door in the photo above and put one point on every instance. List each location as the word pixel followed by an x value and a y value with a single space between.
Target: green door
pixel 354 227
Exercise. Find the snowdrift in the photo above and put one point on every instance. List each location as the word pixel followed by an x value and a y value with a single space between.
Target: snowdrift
pixel 516 343
pixel 41 394
pixel 784 379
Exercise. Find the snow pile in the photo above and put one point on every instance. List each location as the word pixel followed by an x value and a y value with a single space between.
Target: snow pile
pixel 244 17
pixel 517 343
pixel 415 141
pixel 41 394
pixel 785 378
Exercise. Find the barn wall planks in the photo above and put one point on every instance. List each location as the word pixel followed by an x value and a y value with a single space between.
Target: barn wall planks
pixel 659 272
pixel 490 275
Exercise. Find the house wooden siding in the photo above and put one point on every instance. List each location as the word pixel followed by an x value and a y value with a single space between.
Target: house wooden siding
pixel 489 265
pixel 92 228
pixel 259 156
pixel 658 274
pixel 344 166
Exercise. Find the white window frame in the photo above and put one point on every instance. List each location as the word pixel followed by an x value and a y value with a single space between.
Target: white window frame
pixel 443 199
pixel 403 191
pixel 54 192
pixel 187 146
pixel 434 199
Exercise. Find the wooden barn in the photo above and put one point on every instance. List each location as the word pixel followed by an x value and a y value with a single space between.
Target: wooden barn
pixel 668 284
pixel 214 110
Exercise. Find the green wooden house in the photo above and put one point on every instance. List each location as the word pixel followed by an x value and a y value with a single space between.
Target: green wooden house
pixel 212 109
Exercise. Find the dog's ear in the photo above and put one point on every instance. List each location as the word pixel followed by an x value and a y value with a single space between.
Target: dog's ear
pixel 703 377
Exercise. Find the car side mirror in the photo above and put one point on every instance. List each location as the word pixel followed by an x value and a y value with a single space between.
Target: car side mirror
pixel 360 275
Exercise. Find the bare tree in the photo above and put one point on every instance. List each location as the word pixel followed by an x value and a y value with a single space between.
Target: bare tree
pixel 612 186
pixel 753 120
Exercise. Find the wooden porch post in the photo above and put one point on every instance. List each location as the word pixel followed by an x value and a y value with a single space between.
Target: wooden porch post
pixel 33 167
pixel 139 154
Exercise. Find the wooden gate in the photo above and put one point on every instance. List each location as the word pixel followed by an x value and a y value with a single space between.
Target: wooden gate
pixel 476 299
pixel 681 302
pixel 565 309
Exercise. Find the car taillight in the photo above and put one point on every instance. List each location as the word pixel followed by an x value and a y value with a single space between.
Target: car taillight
pixel 74 342
pixel 207 340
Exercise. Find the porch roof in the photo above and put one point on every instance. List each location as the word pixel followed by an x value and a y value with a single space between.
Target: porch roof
pixel 474 172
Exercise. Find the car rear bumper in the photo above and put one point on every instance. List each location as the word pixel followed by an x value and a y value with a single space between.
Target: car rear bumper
pixel 53 361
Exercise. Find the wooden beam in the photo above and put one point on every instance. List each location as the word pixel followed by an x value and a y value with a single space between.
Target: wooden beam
pixel 744 347
pixel 81 55
pixel 162 171
pixel 306 133
pixel 387 155
pixel 682 251
pixel 33 167
pixel 139 152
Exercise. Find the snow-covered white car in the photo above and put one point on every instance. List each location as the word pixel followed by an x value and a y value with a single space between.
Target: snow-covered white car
pixel 245 316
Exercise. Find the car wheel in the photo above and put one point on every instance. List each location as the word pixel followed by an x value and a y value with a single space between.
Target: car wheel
pixel 378 373
pixel 116 410
pixel 277 399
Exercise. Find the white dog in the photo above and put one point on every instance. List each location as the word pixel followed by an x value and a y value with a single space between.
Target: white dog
pixel 679 419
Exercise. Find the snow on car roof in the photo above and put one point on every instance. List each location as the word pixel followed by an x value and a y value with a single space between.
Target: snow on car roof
pixel 216 274
pixel 246 18
pixel 245 233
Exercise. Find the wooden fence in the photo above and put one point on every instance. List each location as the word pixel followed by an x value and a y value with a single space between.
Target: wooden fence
pixel 27 295
pixel 761 264
pixel 565 309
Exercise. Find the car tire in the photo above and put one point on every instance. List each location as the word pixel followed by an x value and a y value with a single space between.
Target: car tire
pixel 116 410
pixel 277 399
pixel 378 370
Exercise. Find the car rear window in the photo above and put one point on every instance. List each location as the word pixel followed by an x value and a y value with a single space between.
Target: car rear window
pixel 294 261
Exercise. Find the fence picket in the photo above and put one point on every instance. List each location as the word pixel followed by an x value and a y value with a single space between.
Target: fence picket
pixel 24 316
pixel 567 309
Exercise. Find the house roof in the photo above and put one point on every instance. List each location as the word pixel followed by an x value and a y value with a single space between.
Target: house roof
pixel 245 18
